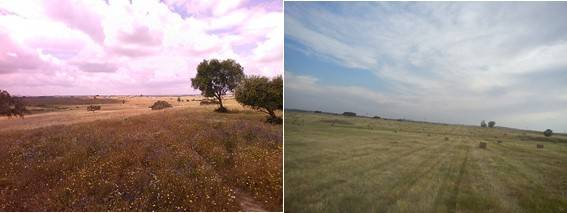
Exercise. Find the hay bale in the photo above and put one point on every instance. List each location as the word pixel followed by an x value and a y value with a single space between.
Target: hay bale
pixel 540 146
pixel 482 145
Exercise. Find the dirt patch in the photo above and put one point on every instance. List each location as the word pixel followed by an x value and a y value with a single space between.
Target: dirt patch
pixel 247 203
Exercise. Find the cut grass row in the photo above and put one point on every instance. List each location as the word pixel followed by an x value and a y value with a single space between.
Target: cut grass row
pixel 371 165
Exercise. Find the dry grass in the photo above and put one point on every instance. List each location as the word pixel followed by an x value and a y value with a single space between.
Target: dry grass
pixel 376 165
pixel 182 159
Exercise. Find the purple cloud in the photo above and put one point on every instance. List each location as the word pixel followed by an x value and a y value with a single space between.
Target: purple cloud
pixel 67 47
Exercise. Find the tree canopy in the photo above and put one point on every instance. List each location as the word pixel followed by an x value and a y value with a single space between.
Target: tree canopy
pixel 10 105
pixel 263 94
pixel 215 78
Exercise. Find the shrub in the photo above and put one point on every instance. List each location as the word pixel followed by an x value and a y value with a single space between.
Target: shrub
pixel 160 105
pixel 491 124
pixel 10 105
pixel 483 124
pixel 548 132
pixel 262 94
pixel 349 114
pixel 93 108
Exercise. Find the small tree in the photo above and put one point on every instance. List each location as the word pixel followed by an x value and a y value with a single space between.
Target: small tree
pixel 11 106
pixel 491 124
pixel 548 133
pixel 178 99
pixel 483 124
pixel 263 94
pixel 215 78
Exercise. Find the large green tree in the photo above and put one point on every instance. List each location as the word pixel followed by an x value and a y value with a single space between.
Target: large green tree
pixel 10 105
pixel 263 94
pixel 215 78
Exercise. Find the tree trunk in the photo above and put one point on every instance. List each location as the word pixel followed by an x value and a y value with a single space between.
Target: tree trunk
pixel 220 101
pixel 272 113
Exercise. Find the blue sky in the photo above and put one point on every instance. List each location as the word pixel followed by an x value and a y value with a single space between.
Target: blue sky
pixel 453 62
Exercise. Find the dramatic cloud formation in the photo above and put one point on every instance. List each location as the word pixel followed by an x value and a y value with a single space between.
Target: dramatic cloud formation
pixel 72 47
pixel 445 62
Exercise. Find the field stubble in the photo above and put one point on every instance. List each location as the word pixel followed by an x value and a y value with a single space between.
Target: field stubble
pixel 339 164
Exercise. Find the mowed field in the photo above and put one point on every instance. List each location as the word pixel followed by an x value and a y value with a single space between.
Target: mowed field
pixel 129 157
pixel 335 163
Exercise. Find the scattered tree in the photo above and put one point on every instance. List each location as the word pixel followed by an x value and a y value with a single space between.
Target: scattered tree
pixel 160 105
pixel 491 124
pixel 215 78
pixel 11 105
pixel 263 94
pixel 179 99
pixel 483 123
pixel 548 133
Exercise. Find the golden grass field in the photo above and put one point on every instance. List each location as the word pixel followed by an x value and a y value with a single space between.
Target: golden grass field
pixel 335 163
pixel 128 157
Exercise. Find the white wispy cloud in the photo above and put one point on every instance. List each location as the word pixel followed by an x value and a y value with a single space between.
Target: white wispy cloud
pixel 469 60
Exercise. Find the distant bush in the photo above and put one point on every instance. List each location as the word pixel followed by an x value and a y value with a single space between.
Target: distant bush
pixel 179 99
pixel 160 105
pixel 11 105
pixel 377 117
pixel 93 108
pixel 548 133
pixel 317 111
pixel 349 114
pixel 491 124
pixel 208 102
pixel 483 123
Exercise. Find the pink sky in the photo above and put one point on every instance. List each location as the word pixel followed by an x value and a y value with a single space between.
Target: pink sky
pixel 65 47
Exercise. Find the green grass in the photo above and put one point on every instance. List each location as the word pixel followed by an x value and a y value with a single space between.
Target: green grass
pixel 352 164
